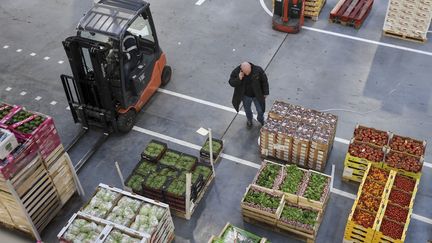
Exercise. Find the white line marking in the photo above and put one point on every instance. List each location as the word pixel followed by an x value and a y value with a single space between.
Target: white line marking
pixel 204 102
pixel 8 89
pixel 332 177
pixel 253 165
pixel 32 54
pixel 53 102
pixel 38 98
pixel 421 218
pixel 199 2
pixel 264 6
pixel 179 43
pixel 5 47
pixel 234 50
pixel 23 93
pixel 343 193
pixel 19 50
pixel 342 140
pixel 60 62
pixel 68 108
pixel 46 58
pixel 427 164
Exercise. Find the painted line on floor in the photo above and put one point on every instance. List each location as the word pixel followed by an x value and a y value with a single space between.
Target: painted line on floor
pixel 60 62
pixel 38 98
pixel 32 54
pixel 23 93
pixel 199 2
pixel 53 102
pixel 254 165
pixel 8 89
pixel 232 110
pixel 264 6
pixel 5 47
pixel 46 58
pixel 68 108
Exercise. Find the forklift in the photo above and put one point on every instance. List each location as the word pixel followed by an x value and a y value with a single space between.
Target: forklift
pixel 111 83
pixel 288 15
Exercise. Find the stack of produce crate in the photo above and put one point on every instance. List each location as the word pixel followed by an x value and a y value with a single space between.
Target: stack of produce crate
pixel 114 215
pixel 161 175
pixel 231 233
pixel 383 208
pixel 408 19
pixel 298 135
pixel 384 150
pixel 287 191
pixel 36 177
pixel 313 8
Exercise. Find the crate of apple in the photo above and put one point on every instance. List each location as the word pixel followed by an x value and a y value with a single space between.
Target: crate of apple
pixel 363 218
pixel 404 183
pixel 391 229
pixel 371 135
pixel 396 213
pixel 366 151
pixel 404 161
pixel 408 145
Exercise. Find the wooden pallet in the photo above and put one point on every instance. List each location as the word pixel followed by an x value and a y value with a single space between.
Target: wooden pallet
pixel 404 36
pixel 185 215
pixel 286 231
pixel 351 12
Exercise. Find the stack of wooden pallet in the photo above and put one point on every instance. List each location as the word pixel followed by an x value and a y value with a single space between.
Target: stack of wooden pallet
pixel 115 215
pixel 36 176
pixel 408 19
pixel 313 8
pixel 351 12
pixel 298 135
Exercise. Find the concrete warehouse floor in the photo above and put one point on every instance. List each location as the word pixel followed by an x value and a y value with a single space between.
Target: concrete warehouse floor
pixel 361 80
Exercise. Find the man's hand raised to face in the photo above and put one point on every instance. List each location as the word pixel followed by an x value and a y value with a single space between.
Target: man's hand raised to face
pixel 241 75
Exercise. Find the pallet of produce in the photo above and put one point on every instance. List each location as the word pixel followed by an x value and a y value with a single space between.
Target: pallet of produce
pixel 8 143
pixel 315 191
pixel 292 182
pixel 262 204
pixel 299 220
pixel 404 163
pixel 269 175
pixel 217 147
pixel 64 177
pixel 320 148
pixel 407 145
pixel 127 210
pixel 154 151
pixel 371 136
pixel 231 233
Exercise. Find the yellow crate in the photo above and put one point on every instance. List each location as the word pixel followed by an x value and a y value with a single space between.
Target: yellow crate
pixel 403 172
pixel 361 161
pixel 358 233
pixel 355 165
pixel 379 237
pixel 353 174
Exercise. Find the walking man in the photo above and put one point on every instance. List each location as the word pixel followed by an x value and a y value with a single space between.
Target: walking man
pixel 250 85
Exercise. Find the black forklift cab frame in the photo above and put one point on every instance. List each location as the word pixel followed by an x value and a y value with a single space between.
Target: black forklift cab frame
pixel 94 95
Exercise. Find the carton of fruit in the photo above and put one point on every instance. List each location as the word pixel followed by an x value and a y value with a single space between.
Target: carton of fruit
pixel 360 154
pixel 407 145
pixel 8 143
pixel 371 135
pixel 404 163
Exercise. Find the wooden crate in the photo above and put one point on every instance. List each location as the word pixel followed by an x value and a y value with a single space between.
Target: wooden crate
pixel 264 164
pixel 267 141
pixel 352 174
pixel 261 215
pixel 318 154
pixel 283 147
pixel 313 9
pixel 294 198
pixel 318 205
pixel 300 151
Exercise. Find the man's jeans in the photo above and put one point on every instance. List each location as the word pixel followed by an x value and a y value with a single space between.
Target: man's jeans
pixel 247 104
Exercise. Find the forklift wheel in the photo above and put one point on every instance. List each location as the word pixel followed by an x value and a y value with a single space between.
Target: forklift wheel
pixel 166 75
pixel 126 121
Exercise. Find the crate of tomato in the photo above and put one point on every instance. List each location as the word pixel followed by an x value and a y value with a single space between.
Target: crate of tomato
pixel 360 154
pixel 371 136
pixel 407 145
pixel 404 163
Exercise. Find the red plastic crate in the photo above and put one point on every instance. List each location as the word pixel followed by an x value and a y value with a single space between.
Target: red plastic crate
pixel 18 159
pixel 351 12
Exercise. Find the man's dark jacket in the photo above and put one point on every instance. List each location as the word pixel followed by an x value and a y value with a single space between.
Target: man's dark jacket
pixel 259 85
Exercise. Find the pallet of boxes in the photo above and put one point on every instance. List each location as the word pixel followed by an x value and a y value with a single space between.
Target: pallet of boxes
pixel 162 174
pixel 390 176
pixel 298 135
pixel 287 199
pixel 36 175
pixel 114 215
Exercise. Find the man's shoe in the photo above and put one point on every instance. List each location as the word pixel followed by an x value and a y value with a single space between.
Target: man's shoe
pixel 249 124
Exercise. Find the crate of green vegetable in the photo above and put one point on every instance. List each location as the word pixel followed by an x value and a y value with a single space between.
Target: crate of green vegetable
pixel 301 219
pixel 175 192
pixel 316 191
pixel 217 145
pixel 270 175
pixel 294 178
pixel 170 158
pixel 134 183
pixel 6 111
pixel 145 167
pixel 186 162
pixel 154 151
pixel 231 233
pixel 262 204
pixel 205 171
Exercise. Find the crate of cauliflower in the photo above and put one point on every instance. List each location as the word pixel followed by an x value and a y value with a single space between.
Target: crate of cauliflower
pixel 115 215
